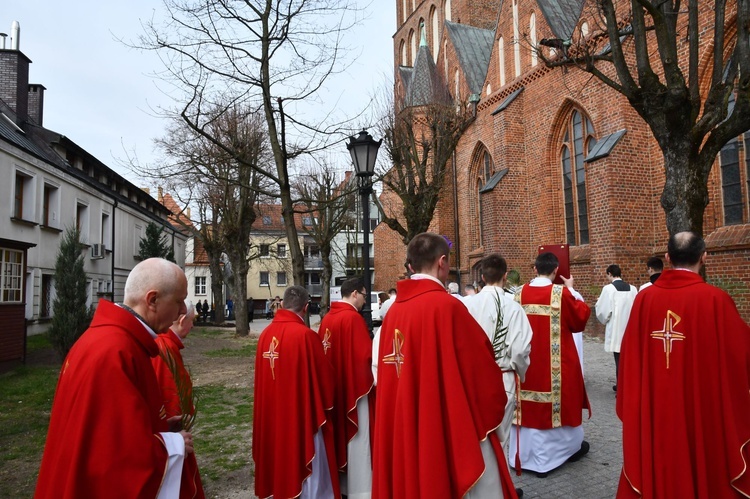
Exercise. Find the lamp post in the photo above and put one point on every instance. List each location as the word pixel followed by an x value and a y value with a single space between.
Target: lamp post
pixel 364 151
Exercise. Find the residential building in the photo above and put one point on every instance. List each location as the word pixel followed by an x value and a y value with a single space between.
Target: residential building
pixel 52 184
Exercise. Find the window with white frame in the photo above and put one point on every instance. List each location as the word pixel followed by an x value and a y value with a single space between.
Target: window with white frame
pixel 264 278
pixel 23 201
pixel 106 234
pixel 82 221
pixel 281 250
pixel 11 276
pixel 281 278
pixel 51 206
pixel 200 285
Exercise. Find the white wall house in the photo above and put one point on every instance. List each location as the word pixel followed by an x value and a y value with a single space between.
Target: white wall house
pixel 50 183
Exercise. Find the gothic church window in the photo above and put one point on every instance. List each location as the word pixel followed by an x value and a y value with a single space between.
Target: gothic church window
pixel 516 40
pixel 577 141
pixel 731 157
pixel 435 32
pixel 413 46
pixel 532 39
pixel 447 9
pixel 501 60
pixel 402 51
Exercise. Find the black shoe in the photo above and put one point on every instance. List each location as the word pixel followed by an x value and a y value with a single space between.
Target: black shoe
pixel 581 452
pixel 519 493
pixel 614 388
pixel 541 474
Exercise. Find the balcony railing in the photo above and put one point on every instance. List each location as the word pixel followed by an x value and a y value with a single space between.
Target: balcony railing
pixel 313 262
pixel 356 262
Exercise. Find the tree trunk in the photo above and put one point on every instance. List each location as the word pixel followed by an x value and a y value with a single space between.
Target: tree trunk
pixel 325 300
pixel 685 195
pixel 239 291
pixel 217 286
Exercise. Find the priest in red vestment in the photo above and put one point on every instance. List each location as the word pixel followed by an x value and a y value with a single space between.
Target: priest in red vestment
pixel 441 395
pixel 108 434
pixel 553 394
pixel 684 390
pixel 347 343
pixel 170 344
pixel 293 445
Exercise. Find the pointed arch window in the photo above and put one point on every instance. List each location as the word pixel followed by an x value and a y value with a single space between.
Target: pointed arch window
pixel 435 33
pixel 413 46
pixel 730 161
pixel 578 140
pixel 532 39
pixel 516 40
pixel 501 60
pixel 447 10
pixel 402 51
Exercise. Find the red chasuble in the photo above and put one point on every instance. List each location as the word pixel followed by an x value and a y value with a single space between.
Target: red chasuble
pixel 293 397
pixel 103 438
pixel 684 393
pixel 191 486
pixel 347 344
pixel 553 392
pixel 440 394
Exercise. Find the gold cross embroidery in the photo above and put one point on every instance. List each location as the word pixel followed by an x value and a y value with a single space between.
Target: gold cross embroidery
pixel 272 355
pixel 326 341
pixel 667 334
pixel 396 357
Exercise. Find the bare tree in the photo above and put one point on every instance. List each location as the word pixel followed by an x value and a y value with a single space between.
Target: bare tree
pixel 270 55
pixel 654 55
pixel 324 196
pixel 222 176
pixel 419 141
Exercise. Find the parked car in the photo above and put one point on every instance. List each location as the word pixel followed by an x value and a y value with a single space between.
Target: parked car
pixel 374 304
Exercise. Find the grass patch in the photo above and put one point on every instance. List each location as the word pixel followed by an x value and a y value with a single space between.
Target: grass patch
pixel 25 401
pixel 37 342
pixel 224 413
pixel 206 332
pixel 244 351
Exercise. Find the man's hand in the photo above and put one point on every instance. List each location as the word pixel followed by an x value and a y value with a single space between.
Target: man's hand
pixel 568 282
pixel 175 423
pixel 188 442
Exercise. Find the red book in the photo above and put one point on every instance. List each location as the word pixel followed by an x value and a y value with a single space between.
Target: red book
pixel 562 252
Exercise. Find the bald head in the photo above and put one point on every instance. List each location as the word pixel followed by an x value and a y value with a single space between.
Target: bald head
pixel 156 289
pixel 685 249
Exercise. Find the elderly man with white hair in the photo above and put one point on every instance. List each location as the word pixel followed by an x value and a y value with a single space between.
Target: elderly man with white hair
pixel 109 435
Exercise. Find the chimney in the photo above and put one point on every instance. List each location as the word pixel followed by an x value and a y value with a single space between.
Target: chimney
pixel 14 78
pixel 187 211
pixel 36 103
pixel 15 36
pixel 161 194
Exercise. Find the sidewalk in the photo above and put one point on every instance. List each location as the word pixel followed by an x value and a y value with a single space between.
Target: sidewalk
pixel 597 474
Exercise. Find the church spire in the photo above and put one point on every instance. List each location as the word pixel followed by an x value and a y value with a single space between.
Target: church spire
pixel 423 35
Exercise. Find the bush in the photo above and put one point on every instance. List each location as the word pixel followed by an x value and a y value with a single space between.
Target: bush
pixel 70 315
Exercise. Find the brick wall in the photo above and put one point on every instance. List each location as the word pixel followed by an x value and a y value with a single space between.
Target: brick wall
pixel 526 209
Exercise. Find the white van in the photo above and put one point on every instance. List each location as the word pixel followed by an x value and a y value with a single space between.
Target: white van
pixel 374 304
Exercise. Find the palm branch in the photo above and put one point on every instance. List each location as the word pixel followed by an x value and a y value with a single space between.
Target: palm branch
pixel 185 397
pixel 501 331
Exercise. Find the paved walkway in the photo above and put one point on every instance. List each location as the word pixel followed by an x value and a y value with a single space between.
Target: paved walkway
pixel 597 474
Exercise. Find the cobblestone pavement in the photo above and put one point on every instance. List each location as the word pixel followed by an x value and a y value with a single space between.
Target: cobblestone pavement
pixel 597 474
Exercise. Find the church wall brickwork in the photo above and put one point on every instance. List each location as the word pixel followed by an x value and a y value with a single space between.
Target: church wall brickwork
pixel 626 221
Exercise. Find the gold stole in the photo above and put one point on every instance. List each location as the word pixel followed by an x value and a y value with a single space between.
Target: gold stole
pixel 553 397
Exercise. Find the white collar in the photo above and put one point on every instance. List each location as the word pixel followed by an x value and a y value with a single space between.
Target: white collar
pixel 540 281
pixel 417 277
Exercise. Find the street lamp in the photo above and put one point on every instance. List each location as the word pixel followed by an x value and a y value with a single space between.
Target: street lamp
pixel 364 151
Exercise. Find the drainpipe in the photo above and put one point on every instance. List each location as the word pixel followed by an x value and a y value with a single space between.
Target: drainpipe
pixel 112 254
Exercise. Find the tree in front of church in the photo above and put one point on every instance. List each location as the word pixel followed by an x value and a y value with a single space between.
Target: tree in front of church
pixel 419 141
pixel 678 64
pixel 153 244
pixel 70 314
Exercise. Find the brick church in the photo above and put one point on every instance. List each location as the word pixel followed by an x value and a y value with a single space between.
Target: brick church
pixel 554 156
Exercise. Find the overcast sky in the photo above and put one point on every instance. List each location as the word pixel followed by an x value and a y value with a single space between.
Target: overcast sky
pixel 100 93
